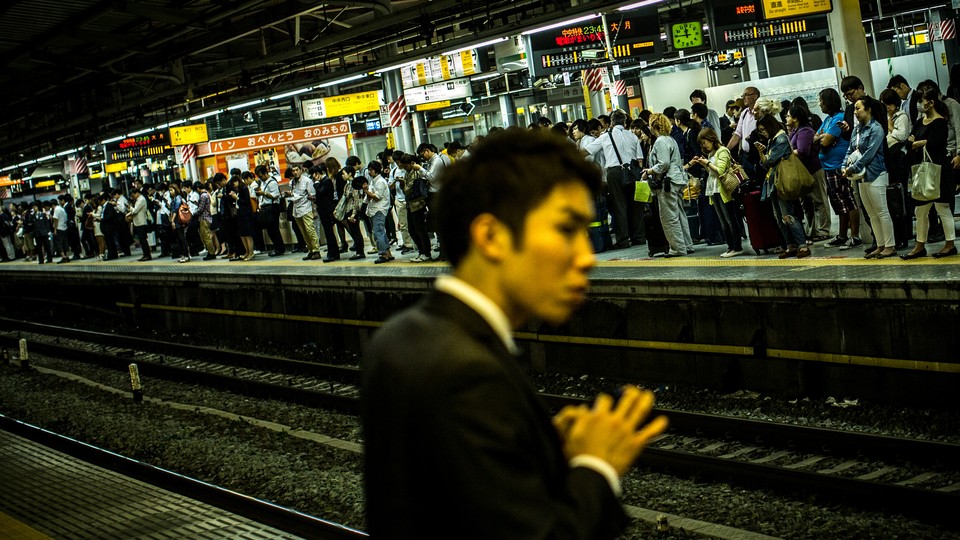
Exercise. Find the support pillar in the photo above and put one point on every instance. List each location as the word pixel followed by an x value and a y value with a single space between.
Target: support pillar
pixel 419 129
pixel 392 90
pixel 849 43
pixel 508 111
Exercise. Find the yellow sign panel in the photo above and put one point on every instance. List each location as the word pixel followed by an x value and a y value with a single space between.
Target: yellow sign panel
pixel 783 9
pixel 46 183
pixel 115 167
pixel 434 105
pixel 192 134
pixel 466 57
pixel 347 104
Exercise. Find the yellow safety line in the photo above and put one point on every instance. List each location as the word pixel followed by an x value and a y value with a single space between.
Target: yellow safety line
pixel 687 262
pixel 14 529
pixel 705 348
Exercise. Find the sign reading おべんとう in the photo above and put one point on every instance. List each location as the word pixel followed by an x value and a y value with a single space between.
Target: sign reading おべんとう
pixel 273 139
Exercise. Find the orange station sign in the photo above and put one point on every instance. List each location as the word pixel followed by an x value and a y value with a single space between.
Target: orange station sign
pixel 260 141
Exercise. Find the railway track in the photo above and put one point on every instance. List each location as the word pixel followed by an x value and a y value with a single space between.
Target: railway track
pixel 909 476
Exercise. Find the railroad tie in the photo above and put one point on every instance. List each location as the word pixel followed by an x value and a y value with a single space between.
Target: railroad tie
pixel 806 463
pixel 839 468
pixel 772 457
pixel 922 477
pixel 877 474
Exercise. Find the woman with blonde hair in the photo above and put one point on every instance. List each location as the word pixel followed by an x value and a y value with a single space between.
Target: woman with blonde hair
pixel 665 164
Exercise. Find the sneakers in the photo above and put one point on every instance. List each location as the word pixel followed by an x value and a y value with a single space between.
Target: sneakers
pixel 731 253
pixel 420 259
pixel 183 259
pixel 854 242
pixel 836 242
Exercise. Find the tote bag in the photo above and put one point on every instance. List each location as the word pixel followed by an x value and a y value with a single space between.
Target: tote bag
pixel 793 178
pixel 925 182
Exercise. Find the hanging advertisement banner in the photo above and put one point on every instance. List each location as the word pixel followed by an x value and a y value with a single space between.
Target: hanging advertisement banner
pixel 289 137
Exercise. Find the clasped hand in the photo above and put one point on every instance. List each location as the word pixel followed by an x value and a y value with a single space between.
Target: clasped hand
pixel 608 430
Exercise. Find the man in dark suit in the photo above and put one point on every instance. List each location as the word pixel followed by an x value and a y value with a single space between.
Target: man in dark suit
pixel 898 83
pixel 457 442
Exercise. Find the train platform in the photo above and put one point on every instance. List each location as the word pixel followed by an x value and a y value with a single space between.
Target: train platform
pixel 833 323
pixel 48 494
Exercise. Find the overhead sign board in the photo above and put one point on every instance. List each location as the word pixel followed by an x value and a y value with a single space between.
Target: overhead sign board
pixel 445 91
pixel 634 37
pixel 440 68
pixel 115 167
pixel 342 105
pixel 149 144
pixel 273 139
pixel 786 9
pixel 192 134
pixel 740 23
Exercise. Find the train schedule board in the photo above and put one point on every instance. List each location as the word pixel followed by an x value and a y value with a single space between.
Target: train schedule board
pixel 144 145
pixel 741 23
pixel 634 37
pixel 437 69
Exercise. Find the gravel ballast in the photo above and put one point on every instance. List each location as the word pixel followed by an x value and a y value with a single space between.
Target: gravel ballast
pixel 326 482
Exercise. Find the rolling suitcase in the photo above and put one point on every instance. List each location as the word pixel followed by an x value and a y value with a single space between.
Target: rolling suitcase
pixel 761 225
pixel 656 239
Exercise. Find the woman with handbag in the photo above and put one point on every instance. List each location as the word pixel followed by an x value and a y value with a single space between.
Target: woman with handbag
pixel 865 159
pixel 928 142
pixel 815 207
pixel 718 164
pixel 833 150
pixel 665 175
pixel 772 159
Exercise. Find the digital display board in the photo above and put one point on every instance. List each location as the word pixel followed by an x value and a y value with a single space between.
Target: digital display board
pixel 150 144
pixel 740 23
pixel 786 9
pixel 634 37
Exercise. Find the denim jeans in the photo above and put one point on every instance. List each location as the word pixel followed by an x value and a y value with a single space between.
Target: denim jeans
pixel 379 221
pixel 790 226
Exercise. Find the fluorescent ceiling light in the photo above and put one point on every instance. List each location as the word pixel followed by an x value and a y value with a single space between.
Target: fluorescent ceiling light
pixel 141 132
pixel 476 46
pixel 206 114
pixel 115 139
pixel 31 162
pixel 559 24
pixel 343 80
pixel 247 104
pixel 175 123
pixel 65 152
pixel 397 66
pixel 292 93
pixel 45 158
pixel 8 168
pixel 639 4
pixel 486 76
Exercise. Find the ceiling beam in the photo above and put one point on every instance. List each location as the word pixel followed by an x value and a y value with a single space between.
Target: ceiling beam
pixel 178 17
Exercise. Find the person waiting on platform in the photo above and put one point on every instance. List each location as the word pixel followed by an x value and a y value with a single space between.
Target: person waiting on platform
pixel 865 162
pixel 137 215
pixel 779 148
pixel 717 163
pixel 302 196
pixel 929 136
pixel 377 193
pixel 815 207
pixel 178 224
pixel 665 164
pixel 246 225
pixel 457 442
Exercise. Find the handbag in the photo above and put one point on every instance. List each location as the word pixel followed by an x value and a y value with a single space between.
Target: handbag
pixel 642 192
pixel 340 211
pixel 793 179
pixel 416 205
pixel 925 179
pixel 630 172
pixel 734 176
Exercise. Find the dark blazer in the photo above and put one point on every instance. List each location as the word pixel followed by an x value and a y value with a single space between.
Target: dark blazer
pixel 325 194
pixel 458 444
pixel 108 223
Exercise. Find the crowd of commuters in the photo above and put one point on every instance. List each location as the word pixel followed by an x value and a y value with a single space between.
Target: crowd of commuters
pixel 859 155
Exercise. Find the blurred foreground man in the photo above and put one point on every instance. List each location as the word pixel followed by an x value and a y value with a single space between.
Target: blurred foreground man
pixel 458 444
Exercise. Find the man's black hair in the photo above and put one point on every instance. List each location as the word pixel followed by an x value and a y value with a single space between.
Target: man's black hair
pixel 698 93
pixel 897 80
pixel 850 82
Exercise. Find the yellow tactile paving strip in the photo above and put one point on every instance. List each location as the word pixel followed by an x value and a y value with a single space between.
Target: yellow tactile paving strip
pixel 12 529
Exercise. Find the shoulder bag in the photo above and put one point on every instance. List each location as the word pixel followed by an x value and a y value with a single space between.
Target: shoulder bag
pixel 340 211
pixel 793 179
pixel 630 173
pixel 734 176
pixel 925 179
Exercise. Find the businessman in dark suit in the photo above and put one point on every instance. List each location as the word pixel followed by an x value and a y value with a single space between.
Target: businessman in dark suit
pixel 898 83
pixel 457 442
